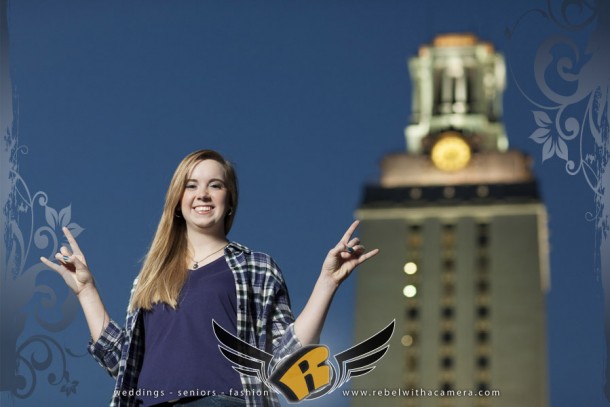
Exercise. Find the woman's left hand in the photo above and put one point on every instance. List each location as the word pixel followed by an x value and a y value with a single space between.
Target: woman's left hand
pixel 345 256
pixel 339 263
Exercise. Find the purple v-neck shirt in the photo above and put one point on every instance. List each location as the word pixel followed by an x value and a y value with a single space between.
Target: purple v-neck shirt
pixel 181 357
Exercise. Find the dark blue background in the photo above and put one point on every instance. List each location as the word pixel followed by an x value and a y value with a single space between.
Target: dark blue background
pixel 305 98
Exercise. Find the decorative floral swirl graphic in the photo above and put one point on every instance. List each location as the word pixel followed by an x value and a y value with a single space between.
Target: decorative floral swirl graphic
pixel 50 348
pixel 573 120
pixel 567 77
pixel 26 238
pixel 27 234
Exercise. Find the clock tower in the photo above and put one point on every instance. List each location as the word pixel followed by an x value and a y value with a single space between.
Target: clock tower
pixel 457 101
pixel 463 268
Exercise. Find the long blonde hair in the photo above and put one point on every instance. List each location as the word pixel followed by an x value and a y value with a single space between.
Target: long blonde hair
pixel 165 268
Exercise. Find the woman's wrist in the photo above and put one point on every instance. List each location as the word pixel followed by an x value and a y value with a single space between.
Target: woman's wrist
pixel 88 292
pixel 327 283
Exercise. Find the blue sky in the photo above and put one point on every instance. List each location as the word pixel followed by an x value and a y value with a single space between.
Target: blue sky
pixel 306 98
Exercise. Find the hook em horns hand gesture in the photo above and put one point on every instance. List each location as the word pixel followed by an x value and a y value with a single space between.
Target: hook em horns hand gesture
pixel 72 265
pixel 345 256
pixel 338 265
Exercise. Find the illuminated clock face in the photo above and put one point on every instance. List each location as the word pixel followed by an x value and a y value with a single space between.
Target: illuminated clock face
pixel 450 152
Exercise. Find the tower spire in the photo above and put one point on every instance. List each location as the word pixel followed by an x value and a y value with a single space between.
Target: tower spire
pixel 458 83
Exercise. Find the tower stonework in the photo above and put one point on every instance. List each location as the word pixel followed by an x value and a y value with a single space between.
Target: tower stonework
pixel 463 267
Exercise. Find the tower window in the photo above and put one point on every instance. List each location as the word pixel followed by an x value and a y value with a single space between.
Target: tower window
pixel 410 268
pixel 409 291
pixel 407 340
pixel 411 363
pixel 447 336
pixel 483 336
pixel 448 238
pixel 483 312
pixel 448 227
pixel 482 362
pixel 483 286
pixel 447 362
pixel 447 312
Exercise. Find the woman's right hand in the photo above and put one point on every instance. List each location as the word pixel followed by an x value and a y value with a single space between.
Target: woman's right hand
pixel 72 266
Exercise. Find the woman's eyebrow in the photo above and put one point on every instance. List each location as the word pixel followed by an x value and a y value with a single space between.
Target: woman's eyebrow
pixel 211 180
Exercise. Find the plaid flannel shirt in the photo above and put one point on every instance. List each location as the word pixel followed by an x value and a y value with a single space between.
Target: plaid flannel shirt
pixel 264 320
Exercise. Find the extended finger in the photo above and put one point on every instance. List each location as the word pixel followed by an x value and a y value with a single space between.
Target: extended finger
pixel 72 241
pixel 53 266
pixel 350 231
pixel 364 257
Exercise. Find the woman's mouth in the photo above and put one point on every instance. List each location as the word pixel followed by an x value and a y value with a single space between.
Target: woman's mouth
pixel 203 209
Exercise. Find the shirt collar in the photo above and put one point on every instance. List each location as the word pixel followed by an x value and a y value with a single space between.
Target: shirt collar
pixel 235 248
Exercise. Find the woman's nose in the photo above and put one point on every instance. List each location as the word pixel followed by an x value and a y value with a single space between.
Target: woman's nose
pixel 203 194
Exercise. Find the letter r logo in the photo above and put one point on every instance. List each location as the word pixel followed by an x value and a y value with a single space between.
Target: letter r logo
pixel 307 373
pixel 303 372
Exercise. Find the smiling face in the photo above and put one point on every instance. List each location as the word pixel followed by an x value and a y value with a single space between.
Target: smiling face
pixel 204 201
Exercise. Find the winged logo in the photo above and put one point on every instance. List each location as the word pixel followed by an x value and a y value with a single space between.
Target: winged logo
pixel 306 373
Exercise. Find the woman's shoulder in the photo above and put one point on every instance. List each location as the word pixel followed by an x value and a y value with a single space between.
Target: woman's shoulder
pixel 253 256
pixel 236 247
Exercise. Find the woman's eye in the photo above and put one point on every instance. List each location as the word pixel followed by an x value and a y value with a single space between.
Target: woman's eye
pixel 191 186
pixel 216 186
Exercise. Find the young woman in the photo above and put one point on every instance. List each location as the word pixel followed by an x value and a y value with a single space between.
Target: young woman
pixel 167 354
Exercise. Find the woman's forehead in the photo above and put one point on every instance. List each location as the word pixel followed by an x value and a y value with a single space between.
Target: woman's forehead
pixel 208 169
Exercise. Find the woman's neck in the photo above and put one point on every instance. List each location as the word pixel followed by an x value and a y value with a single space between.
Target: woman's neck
pixel 201 245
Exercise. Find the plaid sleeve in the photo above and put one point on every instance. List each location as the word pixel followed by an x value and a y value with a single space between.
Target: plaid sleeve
pixel 107 349
pixel 287 344
pixel 284 339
